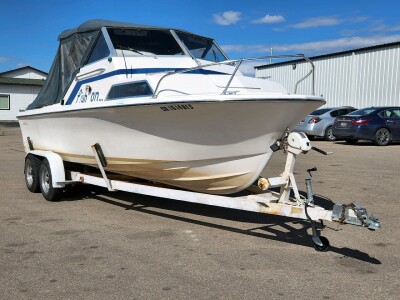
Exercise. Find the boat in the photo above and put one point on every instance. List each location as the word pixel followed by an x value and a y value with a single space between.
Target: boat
pixel 165 105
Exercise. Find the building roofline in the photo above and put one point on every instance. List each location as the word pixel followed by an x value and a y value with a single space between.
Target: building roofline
pixel 22 81
pixel 18 69
pixel 358 50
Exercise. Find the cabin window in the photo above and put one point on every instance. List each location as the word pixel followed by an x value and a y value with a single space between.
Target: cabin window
pixel 137 42
pixel 134 89
pixel 4 102
pixel 100 51
pixel 202 48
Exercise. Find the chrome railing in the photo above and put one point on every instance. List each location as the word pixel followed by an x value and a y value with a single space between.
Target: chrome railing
pixel 311 72
pixel 237 63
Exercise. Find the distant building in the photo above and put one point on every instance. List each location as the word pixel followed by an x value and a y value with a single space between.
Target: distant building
pixel 361 77
pixel 18 88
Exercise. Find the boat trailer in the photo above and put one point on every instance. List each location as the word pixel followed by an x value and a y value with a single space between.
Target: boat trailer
pixel 44 171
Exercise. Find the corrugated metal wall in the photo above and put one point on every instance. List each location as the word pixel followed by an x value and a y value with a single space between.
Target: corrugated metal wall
pixel 359 79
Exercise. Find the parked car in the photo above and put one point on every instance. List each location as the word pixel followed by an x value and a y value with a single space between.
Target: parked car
pixel 378 124
pixel 319 123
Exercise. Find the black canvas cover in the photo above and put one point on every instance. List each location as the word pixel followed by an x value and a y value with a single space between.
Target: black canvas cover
pixel 73 51
pixel 70 57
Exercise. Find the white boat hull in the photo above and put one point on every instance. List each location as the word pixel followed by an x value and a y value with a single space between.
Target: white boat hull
pixel 217 147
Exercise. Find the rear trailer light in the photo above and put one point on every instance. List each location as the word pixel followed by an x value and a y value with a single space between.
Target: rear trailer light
pixel 314 120
pixel 360 122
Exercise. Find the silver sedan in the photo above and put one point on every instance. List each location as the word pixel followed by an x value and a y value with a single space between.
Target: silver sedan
pixel 319 123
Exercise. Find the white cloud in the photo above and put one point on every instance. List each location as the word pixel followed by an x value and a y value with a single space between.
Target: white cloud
pixel 386 28
pixel 269 20
pixel 338 44
pixel 370 27
pixel 358 19
pixel 235 48
pixel 317 22
pixel 247 67
pixel 245 48
pixel 3 58
pixel 227 18
pixel 314 48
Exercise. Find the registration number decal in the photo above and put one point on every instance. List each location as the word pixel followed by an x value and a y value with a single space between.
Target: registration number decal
pixel 177 107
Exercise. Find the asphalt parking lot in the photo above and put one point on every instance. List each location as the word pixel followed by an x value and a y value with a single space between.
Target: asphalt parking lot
pixel 100 245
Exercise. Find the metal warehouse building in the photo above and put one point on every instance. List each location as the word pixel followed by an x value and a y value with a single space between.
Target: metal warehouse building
pixel 361 77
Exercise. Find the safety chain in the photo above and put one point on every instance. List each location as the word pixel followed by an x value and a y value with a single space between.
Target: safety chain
pixel 342 219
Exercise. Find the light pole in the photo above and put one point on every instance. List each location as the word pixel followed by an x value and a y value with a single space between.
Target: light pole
pixel 270 58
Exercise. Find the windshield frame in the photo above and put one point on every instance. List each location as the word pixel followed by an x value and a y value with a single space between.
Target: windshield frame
pixel 176 33
pixel 109 43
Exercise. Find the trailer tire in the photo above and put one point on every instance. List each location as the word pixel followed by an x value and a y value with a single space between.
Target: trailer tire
pixel 31 173
pixel 46 182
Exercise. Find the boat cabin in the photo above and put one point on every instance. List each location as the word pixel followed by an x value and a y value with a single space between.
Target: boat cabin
pixel 103 49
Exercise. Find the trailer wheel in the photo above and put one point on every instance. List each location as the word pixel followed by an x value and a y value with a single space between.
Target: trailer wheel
pixel 46 182
pixel 31 172
pixel 325 244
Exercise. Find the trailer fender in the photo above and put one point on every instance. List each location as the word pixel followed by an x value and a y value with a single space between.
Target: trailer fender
pixel 56 166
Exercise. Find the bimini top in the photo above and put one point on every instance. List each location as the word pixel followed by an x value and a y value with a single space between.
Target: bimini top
pixel 74 50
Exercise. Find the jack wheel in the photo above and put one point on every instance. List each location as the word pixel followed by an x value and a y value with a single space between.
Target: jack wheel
pixel 325 245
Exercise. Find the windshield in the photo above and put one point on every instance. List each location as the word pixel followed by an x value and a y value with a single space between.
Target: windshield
pixel 202 48
pixel 362 112
pixel 143 41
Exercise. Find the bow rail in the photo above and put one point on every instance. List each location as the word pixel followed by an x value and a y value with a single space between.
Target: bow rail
pixel 237 63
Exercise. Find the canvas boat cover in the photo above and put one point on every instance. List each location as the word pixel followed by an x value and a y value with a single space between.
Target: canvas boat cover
pixel 73 51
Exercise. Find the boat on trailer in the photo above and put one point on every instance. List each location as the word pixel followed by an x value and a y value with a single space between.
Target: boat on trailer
pixel 171 113
pixel 164 105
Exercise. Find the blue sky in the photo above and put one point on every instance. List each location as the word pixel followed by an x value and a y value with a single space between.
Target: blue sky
pixel 247 28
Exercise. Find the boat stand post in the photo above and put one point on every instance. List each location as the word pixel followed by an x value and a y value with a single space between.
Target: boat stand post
pixel 101 163
pixel 289 178
pixel 286 181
